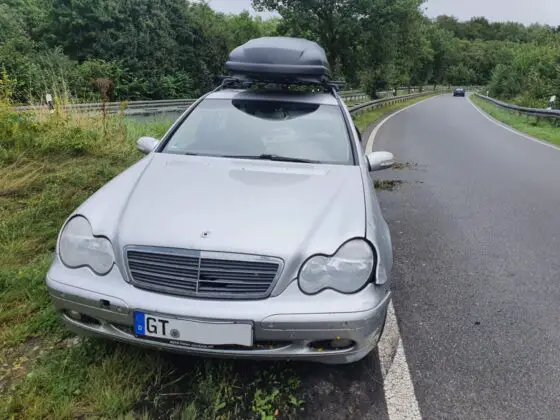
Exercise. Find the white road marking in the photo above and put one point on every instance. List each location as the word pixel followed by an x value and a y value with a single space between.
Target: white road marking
pixel 389 342
pixel 399 390
pixel 513 130
pixel 397 383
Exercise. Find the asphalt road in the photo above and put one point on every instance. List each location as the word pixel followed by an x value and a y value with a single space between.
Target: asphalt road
pixel 476 235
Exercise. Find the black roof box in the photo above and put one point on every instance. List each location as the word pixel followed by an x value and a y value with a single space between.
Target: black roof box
pixel 280 59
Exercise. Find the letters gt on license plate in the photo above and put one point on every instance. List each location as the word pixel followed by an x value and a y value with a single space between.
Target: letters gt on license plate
pixel 188 331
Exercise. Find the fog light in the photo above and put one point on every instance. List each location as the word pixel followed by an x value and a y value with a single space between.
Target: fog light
pixel 340 343
pixel 332 345
pixel 75 315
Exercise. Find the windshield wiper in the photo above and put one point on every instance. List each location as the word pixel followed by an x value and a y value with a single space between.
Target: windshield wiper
pixel 278 158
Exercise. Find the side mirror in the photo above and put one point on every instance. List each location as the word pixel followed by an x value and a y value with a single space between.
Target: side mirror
pixel 146 144
pixel 378 161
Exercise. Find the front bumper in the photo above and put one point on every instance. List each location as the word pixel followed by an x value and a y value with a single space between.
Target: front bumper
pixel 289 326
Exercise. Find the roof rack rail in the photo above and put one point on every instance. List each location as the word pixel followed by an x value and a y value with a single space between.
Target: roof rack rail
pixel 242 82
pixel 337 84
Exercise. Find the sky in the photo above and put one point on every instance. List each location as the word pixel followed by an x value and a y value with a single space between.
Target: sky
pixel 525 11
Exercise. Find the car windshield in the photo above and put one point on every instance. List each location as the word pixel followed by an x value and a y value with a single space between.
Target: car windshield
pixel 264 129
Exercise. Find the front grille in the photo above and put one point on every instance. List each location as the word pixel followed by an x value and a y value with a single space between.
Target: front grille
pixel 202 274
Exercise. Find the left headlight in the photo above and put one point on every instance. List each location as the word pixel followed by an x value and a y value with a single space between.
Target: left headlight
pixel 347 271
pixel 78 247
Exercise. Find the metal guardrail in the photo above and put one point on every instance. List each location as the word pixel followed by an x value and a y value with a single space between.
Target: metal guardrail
pixel 180 105
pixel 358 109
pixel 154 107
pixel 169 105
pixel 535 112
pixel 354 95
pixel 131 107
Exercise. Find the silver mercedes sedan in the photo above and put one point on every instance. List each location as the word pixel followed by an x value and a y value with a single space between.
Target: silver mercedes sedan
pixel 252 229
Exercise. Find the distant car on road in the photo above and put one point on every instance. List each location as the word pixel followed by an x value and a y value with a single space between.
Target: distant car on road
pixel 252 229
pixel 459 92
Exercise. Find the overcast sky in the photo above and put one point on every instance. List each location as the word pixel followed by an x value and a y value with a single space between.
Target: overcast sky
pixel 525 11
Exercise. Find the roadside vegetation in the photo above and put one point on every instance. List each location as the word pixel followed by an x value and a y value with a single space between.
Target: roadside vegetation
pixel 540 128
pixel 175 48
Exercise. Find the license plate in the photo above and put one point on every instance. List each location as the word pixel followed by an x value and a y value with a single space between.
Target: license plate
pixel 182 331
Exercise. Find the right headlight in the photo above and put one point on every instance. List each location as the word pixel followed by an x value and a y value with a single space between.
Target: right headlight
pixel 347 271
pixel 78 247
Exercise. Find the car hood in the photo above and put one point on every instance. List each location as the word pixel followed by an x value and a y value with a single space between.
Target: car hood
pixel 244 206
pixel 278 209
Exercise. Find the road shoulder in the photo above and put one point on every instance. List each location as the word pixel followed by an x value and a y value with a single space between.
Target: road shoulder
pixel 549 135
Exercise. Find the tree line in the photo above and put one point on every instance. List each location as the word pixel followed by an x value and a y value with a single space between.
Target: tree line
pixel 160 49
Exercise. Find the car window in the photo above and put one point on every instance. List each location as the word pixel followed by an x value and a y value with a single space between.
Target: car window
pixel 242 127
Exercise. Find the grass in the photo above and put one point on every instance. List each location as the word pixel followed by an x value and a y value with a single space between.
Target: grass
pixel 541 129
pixel 49 164
pixel 108 380
pixel 86 379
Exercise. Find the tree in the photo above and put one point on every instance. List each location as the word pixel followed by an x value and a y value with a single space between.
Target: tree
pixel 415 53
pixel 451 24
pixel 478 28
pixel 530 77
pixel 334 24
pixel 155 49
pixel 443 45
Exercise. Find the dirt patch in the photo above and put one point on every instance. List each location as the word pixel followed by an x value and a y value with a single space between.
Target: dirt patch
pixel 404 165
pixel 387 184
pixel 344 392
pixel 16 361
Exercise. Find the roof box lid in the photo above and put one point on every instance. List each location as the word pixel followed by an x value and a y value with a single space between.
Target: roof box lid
pixel 280 59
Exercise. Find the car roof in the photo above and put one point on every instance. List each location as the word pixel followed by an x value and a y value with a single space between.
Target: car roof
pixel 319 98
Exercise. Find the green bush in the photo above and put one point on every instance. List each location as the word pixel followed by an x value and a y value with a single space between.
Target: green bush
pixel 531 77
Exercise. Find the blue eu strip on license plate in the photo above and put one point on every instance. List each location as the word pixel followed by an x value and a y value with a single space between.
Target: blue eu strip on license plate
pixel 139 323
